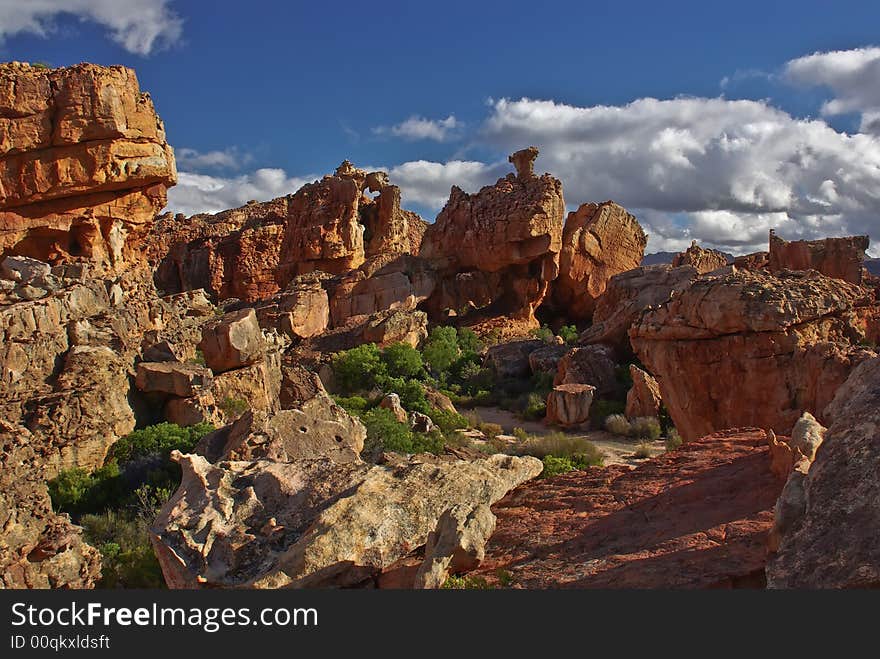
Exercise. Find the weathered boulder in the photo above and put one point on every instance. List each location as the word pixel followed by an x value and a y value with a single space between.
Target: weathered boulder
pixel 256 387
pixel 701 259
pixel 304 309
pixel 511 360
pixel 421 422
pixel 598 242
pixel 266 524
pixel 627 296
pixel 172 378
pixel 594 365
pixel 546 359
pixel 511 232
pixel 318 428
pixel 749 347
pixel 233 342
pixel 391 402
pixel 643 398
pixel 84 164
pixel 395 326
pixel 458 544
pixel 839 258
pixel 569 404
pixel 832 543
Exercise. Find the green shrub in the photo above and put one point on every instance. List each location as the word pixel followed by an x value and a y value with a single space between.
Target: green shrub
pixel 76 491
pixel 233 407
pixel 520 434
pixel 469 343
pixel 491 430
pixel 645 427
pixel 466 582
pixel 403 361
pixel 128 560
pixel 543 332
pixel 411 392
pixel 441 349
pixel 536 406
pixel 159 439
pixel 448 422
pixel 673 440
pixel 569 333
pixel 561 445
pixel 617 424
pixel 199 358
pixel 386 433
pixel 357 369
pixel 553 466
pixel 642 451
pixel 356 405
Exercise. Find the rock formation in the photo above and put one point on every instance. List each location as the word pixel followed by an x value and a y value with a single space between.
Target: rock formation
pixel 598 242
pixel 627 296
pixel 594 365
pixel 643 398
pixel 316 522
pixel 568 405
pixel 498 249
pixel 252 252
pixel 753 348
pixel 84 164
pixel 840 258
pixel 702 260
pixel 697 517
pixel 833 542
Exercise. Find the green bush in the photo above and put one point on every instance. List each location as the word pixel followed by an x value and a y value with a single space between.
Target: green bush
pixel 536 406
pixel 411 392
pixel 673 440
pixel 469 343
pixel 128 560
pixel 561 445
pixel 76 491
pixel 356 405
pixel 159 439
pixel 358 368
pixel 553 466
pixel 386 433
pixel 544 333
pixel 448 422
pixel 466 582
pixel 441 349
pixel 645 427
pixel 643 451
pixel 617 424
pixel 403 361
pixel 569 333
pixel 520 434
pixel 603 408
pixel 233 407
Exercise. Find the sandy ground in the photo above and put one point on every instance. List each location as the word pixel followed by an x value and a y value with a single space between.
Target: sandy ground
pixel 616 449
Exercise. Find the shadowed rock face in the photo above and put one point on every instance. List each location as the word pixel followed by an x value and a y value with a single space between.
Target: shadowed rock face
pixel 834 544
pixel 499 247
pixel 840 258
pixel 748 347
pixel 84 164
pixel 598 242
pixel 697 517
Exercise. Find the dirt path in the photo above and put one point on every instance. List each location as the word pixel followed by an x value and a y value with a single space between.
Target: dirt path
pixel 616 449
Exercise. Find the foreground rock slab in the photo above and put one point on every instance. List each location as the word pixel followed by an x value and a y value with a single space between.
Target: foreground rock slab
pixel 694 518
pixel 266 524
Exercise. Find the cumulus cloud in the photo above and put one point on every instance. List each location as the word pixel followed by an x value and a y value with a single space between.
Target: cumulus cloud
pixel 852 75
pixel 139 26
pixel 201 193
pixel 427 184
pixel 229 158
pixel 719 171
pixel 420 128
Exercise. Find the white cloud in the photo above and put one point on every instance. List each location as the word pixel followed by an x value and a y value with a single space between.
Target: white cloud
pixel 420 128
pixel 200 193
pixel 428 183
pixel 229 158
pixel 852 75
pixel 139 26
pixel 719 171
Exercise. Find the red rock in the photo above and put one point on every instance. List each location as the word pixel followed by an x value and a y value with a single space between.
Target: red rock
pixel 568 405
pixel 512 231
pixel 703 260
pixel 643 398
pixel 598 242
pixel 751 348
pixel 233 342
pixel 84 164
pixel 840 258
pixel 697 517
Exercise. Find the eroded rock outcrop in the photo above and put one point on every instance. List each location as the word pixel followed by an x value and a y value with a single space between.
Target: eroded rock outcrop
pixel 627 296
pixel 831 542
pixel 499 247
pixel 643 398
pixel 598 242
pixel 753 348
pixel 315 522
pixel 568 405
pixel 252 252
pixel 84 164
pixel 840 258
pixel 701 259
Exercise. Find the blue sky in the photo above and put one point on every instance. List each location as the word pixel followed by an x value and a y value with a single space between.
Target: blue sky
pixel 708 121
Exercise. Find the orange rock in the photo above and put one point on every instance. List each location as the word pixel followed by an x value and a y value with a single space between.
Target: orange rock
pixel 84 163
pixel 703 260
pixel 840 258
pixel 507 235
pixel 643 398
pixel 569 404
pixel 751 348
pixel 598 242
